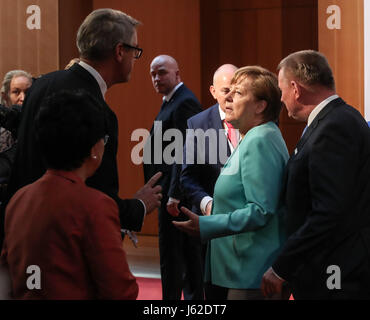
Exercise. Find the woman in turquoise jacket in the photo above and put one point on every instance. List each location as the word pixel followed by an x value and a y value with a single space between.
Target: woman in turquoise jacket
pixel 244 231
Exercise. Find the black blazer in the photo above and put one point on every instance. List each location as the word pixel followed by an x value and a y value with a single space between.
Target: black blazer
pixel 173 115
pixel 28 165
pixel 198 178
pixel 328 206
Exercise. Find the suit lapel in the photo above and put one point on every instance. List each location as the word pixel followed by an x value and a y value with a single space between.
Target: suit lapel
pixel 166 107
pixel 215 122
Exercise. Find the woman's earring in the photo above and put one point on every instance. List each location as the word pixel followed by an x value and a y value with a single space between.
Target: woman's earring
pixel 94 157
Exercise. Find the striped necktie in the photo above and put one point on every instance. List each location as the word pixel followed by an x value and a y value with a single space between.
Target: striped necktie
pixel 231 134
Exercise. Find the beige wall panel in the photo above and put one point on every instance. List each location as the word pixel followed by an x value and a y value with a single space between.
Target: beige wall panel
pixel 33 50
pixel 250 37
pixel 71 14
pixel 299 32
pixel 344 48
pixel 246 32
pixel 170 27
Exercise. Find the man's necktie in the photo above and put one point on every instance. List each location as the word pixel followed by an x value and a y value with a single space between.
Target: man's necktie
pixel 163 104
pixel 304 130
pixel 231 134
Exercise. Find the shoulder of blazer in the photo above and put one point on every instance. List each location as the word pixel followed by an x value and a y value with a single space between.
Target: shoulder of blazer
pixel 75 77
pixel 183 93
pixel 327 111
pixel 87 77
pixel 206 116
pixel 329 108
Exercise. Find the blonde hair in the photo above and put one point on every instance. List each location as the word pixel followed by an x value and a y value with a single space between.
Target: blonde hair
pixel 264 86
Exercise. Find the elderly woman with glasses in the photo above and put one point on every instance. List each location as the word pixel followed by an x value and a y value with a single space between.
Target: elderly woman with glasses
pixel 69 231
pixel 244 229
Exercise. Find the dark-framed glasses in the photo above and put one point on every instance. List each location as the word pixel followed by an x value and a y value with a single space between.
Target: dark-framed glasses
pixel 105 139
pixel 138 51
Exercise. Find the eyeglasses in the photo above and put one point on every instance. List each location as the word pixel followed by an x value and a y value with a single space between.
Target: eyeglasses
pixel 106 137
pixel 138 51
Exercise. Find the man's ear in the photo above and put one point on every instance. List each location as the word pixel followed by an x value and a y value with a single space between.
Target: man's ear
pixel 212 90
pixel 119 52
pixel 297 89
pixel 178 75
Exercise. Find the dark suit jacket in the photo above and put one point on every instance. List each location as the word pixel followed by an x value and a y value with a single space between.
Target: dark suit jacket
pixel 9 119
pixel 28 165
pixel 173 115
pixel 198 177
pixel 328 207
pixel 72 233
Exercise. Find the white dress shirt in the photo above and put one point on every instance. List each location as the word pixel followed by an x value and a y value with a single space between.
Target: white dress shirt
pixel 99 79
pixel 319 107
pixel 169 96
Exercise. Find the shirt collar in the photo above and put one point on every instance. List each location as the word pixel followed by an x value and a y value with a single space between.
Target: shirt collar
pixel 169 96
pixel 102 84
pixel 69 175
pixel 222 114
pixel 319 107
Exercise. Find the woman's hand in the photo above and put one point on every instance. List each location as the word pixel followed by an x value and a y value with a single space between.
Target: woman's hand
pixel 191 226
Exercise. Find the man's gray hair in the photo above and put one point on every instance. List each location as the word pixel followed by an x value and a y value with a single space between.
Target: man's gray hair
pixel 5 86
pixel 309 67
pixel 102 30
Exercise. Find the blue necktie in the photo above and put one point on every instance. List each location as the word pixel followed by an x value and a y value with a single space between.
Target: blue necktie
pixel 304 130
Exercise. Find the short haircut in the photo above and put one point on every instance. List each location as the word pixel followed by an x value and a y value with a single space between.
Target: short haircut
pixel 5 87
pixel 102 30
pixel 264 86
pixel 309 67
pixel 68 125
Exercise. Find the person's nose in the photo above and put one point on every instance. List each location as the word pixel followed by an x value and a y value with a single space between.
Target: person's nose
pixel 156 78
pixel 22 95
pixel 229 97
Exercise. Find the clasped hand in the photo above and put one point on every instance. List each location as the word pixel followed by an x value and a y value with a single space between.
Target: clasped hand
pixel 191 226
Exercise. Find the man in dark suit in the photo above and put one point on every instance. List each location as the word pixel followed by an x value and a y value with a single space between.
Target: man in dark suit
pixel 107 42
pixel 179 254
pixel 206 157
pixel 326 255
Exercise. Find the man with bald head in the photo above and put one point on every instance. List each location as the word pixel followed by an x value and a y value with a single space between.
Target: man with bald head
pixel 180 258
pixel 198 179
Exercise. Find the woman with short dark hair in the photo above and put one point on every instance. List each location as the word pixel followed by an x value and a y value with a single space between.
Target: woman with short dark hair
pixel 244 231
pixel 69 231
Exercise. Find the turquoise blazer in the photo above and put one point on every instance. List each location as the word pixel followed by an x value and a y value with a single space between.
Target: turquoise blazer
pixel 246 219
